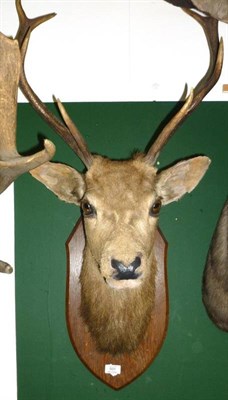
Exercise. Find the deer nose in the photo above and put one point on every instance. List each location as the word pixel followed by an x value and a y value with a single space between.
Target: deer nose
pixel 126 271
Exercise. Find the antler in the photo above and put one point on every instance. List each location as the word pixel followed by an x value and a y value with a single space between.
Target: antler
pixel 210 27
pixel 69 133
pixel 12 164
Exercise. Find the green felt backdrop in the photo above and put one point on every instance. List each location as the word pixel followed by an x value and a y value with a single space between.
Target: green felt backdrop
pixel 193 361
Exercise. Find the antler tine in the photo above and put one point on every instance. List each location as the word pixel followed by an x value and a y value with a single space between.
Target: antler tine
pixel 26 26
pixel 210 27
pixel 82 147
pixel 5 267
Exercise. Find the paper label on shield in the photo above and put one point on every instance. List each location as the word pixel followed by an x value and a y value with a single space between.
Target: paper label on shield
pixel 112 369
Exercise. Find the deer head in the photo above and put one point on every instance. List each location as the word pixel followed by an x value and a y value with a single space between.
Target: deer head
pixel 120 202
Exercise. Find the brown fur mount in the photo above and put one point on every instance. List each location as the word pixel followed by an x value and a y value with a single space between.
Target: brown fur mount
pixel 215 280
pixel 117 319
pixel 120 203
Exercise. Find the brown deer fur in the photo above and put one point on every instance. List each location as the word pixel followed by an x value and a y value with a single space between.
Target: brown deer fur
pixel 215 280
pixel 122 228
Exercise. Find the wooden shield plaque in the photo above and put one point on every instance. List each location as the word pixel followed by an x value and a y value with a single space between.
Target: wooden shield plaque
pixel 119 370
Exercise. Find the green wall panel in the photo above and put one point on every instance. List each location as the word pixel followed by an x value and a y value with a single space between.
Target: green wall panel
pixel 193 361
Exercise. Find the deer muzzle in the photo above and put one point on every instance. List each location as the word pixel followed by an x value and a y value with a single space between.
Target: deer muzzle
pixel 126 271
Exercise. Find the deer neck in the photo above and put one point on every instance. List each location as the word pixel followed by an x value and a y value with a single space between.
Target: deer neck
pixel 117 319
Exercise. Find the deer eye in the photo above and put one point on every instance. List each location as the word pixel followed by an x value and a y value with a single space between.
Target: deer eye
pixel 88 209
pixel 154 210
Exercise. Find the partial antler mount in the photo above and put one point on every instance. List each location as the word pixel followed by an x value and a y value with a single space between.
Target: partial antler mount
pixel 12 164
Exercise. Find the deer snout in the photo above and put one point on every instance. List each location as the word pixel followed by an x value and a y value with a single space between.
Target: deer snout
pixel 126 271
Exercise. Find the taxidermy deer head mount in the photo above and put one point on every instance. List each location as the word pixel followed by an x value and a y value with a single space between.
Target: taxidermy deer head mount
pixel 215 278
pixel 120 202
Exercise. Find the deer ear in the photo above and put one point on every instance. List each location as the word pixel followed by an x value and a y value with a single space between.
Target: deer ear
pixel 182 178
pixel 64 181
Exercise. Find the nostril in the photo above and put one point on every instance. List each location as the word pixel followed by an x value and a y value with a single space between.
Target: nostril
pixel 114 263
pixel 126 271
pixel 136 263
pixel 118 265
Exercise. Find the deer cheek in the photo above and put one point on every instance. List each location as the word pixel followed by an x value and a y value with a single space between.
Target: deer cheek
pixel 95 240
pixel 146 232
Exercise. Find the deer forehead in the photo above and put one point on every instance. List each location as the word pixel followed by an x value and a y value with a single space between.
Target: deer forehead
pixel 120 181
